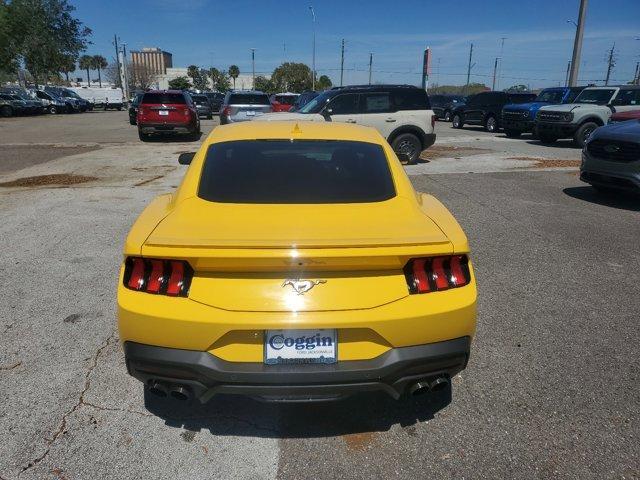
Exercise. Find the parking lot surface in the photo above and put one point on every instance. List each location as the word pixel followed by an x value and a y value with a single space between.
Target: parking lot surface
pixel 551 390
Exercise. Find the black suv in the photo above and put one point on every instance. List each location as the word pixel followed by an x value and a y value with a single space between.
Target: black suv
pixel 485 109
pixel 443 105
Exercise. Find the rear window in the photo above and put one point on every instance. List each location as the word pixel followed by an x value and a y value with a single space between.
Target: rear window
pixel 411 99
pixel 303 171
pixel 249 99
pixel 166 98
pixel 286 99
pixel 199 98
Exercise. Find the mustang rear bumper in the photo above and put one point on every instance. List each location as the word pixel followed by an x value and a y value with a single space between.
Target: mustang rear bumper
pixel 205 375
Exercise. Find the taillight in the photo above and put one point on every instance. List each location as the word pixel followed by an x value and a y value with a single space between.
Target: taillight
pixel 152 275
pixel 227 111
pixel 433 121
pixel 432 274
pixel 186 111
pixel 141 110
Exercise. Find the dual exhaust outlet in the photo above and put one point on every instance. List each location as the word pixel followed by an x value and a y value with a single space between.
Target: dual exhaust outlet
pixel 177 392
pixel 429 385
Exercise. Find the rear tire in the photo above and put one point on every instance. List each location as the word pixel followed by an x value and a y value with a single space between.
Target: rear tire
pixel 408 144
pixel 53 110
pixel 512 133
pixel 491 124
pixel 143 136
pixel 209 117
pixel 132 121
pixel 583 133
pixel 457 121
pixel 6 111
pixel 447 116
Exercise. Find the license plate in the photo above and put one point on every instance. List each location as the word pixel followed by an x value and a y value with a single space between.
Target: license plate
pixel 163 112
pixel 300 346
pixel 250 113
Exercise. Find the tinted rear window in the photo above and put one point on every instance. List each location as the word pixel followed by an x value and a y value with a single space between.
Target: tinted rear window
pixel 199 98
pixel 166 98
pixel 411 99
pixel 248 99
pixel 304 171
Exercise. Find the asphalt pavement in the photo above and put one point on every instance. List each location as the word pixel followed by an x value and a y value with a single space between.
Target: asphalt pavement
pixel 551 390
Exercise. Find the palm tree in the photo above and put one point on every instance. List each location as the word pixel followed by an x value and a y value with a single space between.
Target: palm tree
pixel 85 62
pixel 234 72
pixel 67 66
pixel 99 62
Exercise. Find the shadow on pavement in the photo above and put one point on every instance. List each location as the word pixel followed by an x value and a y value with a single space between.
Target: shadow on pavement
pixel 556 144
pixel 620 200
pixel 231 415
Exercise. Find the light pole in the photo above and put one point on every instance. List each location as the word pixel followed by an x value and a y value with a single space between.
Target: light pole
pixel 253 68
pixel 313 70
pixel 577 44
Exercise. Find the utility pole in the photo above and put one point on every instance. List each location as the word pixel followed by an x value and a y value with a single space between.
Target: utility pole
pixel 115 43
pixel 495 69
pixel 566 77
pixel 577 45
pixel 253 68
pixel 611 63
pixel 469 67
pixel 342 63
pixel 370 65
pixel 426 68
pixel 313 73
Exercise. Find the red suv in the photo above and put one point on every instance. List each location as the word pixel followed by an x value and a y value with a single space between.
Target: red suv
pixel 282 102
pixel 167 112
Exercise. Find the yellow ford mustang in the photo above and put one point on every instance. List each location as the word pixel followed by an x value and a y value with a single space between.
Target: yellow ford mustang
pixel 295 262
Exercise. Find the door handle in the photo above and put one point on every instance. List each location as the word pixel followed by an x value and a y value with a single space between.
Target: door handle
pixel 390 120
pixel 350 121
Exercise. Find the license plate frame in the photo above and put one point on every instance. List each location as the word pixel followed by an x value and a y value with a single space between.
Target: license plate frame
pixel 278 349
pixel 250 113
pixel 163 113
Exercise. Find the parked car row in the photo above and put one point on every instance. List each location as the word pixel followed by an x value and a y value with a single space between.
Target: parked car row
pixel 555 113
pixel 19 101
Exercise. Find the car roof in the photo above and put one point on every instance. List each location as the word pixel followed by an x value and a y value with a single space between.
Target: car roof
pixel 256 92
pixel 295 130
pixel 178 92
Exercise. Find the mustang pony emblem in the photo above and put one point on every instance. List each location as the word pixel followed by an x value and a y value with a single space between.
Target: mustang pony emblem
pixel 302 286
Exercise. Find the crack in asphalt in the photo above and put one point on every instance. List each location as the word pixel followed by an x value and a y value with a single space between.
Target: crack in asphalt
pixel 10 367
pixel 113 409
pixel 81 401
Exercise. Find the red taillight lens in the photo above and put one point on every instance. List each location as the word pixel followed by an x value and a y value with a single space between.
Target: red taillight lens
pixel 227 111
pixel 431 274
pixel 164 277
pixel 141 110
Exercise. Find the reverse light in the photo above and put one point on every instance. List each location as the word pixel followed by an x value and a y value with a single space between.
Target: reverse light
pixel 433 274
pixel 161 277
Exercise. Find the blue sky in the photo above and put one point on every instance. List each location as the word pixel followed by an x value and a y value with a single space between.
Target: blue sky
pixel 538 42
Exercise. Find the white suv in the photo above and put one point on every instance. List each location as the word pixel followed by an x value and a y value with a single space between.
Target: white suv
pixel 401 113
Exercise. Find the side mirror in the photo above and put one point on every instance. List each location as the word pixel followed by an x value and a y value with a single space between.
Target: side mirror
pixel 185 158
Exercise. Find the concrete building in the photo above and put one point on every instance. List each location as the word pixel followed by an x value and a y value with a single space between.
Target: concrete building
pixel 162 81
pixel 153 60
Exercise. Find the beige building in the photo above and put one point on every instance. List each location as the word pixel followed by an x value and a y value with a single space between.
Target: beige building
pixel 153 60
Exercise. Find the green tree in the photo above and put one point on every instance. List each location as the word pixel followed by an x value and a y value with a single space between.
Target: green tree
pixel 264 84
pixel 471 89
pixel 180 83
pixel 199 77
pixel 324 83
pixel 85 62
pixel 43 32
pixel 234 72
pixel 220 79
pixel 67 65
pixel 292 77
pixel 8 51
pixel 99 62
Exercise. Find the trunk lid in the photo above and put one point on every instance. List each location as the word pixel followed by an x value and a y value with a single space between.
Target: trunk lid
pixel 243 254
